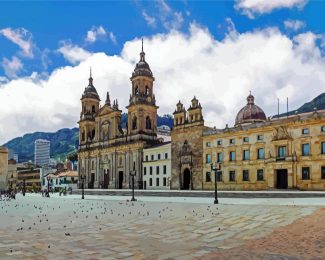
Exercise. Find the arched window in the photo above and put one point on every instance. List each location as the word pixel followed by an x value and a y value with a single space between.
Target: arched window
pixel 82 136
pixel 148 123
pixel 147 90
pixel 136 91
pixel 134 123
pixel 93 109
pixel 92 134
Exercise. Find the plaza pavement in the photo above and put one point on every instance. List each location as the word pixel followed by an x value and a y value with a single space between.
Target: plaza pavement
pixel 106 227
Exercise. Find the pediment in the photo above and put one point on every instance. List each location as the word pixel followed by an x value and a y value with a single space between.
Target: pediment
pixel 281 133
pixel 105 110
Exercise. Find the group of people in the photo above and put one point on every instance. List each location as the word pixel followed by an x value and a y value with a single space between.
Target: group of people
pixel 7 195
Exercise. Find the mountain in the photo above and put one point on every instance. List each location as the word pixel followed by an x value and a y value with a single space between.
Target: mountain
pixel 318 103
pixel 63 142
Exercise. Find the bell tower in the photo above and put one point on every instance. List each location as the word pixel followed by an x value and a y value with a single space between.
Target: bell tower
pixel 90 106
pixel 142 109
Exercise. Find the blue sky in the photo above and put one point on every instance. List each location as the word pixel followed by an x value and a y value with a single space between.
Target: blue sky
pixel 50 23
pixel 216 50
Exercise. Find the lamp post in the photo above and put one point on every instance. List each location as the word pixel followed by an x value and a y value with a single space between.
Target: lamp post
pixel 215 167
pixel 83 177
pixel 48 178
pixel 24 187
pixel 132 174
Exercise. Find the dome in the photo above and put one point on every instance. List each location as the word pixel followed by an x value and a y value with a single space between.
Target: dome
pixel 142 67
pixel 90 90
pixel 250 113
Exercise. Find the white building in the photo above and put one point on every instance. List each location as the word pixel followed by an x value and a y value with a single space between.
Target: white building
pixel 42 152
pixel 157 167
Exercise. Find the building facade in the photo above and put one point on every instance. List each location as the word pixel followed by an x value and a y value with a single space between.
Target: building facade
pixel 42 152
pixel 259 153
pixel 107 154
pixel 3 168
pixel 157 167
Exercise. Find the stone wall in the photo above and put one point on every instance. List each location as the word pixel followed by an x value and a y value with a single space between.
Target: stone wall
pixel 3 167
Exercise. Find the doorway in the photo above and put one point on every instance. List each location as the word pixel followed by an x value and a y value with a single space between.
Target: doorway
pixel 92 181
pixel 120 180
pixel 106 180
pixel 282 179
pixel 186 179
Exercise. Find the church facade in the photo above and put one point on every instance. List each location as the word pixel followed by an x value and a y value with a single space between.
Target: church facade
pixel 107 153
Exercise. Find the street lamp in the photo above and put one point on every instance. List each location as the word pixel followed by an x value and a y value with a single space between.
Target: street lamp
pixel 215 167
pixel 133 173
pixel 24 187
pixel 83 177
pixel 48 185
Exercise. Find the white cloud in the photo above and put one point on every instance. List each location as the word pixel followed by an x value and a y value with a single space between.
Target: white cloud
pixel 253 7
pixel 170 19
pixel 294 25
pixel 99 33
pixel 12 67
pixel 22 38
pixel 151 21
pixel 73 53
pixel 219 73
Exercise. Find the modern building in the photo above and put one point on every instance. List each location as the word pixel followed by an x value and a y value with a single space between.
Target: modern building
pixel 257 153
pixel 42 152
pixel 157 167
pixel 107 154
pixel 3 168
pixel 30 176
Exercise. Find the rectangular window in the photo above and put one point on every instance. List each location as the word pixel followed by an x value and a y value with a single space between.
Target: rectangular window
pixel 150 170
pixel 208 177
pixel 323 148
pixel 232 156
pixel 165 181
pixel 246 155
pixel 166 155
pixel 245 139
pixel 260 175
pixel 219 175
pixel 157 169
pixel 282 152
pixel 260 138
pixel 158 156
pixel 232 176
pixel 144 170
pixel 260 153
pixel 152 157
pixel 157 182
pixel 219 142
pixel 305 131
pixel 165 169
pixel 219 157
pixel 231 141
pixel 245 175
pixel 147 159
pixel 305 149
pixel 305 173
pixel 323 172
pixel 208 158
pixel 322 128
pixel 208 144
pixel 150 182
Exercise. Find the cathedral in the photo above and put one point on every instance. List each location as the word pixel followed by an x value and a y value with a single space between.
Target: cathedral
pixel 109 154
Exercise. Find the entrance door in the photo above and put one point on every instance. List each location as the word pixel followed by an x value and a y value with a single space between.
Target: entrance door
pixel 106 180
pixel 145 185
pixel 186 179
pixel 282 179
pixel 120 180
pixel 92 181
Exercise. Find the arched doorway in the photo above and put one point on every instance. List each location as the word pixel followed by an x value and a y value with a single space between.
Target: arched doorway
pixel 186 179
pixel 120 180
pixel 92 181
pixel 106 179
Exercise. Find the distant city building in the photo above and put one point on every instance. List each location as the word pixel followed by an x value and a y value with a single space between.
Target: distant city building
pixel 3 167
pixel 157 167
pixel 31 176
pixel 42 152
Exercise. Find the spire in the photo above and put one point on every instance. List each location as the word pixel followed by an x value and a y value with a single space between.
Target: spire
pixel 142 54
pixel 108 101
pixel 90 78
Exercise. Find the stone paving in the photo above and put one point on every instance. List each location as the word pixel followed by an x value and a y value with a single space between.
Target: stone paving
pixel 33 227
